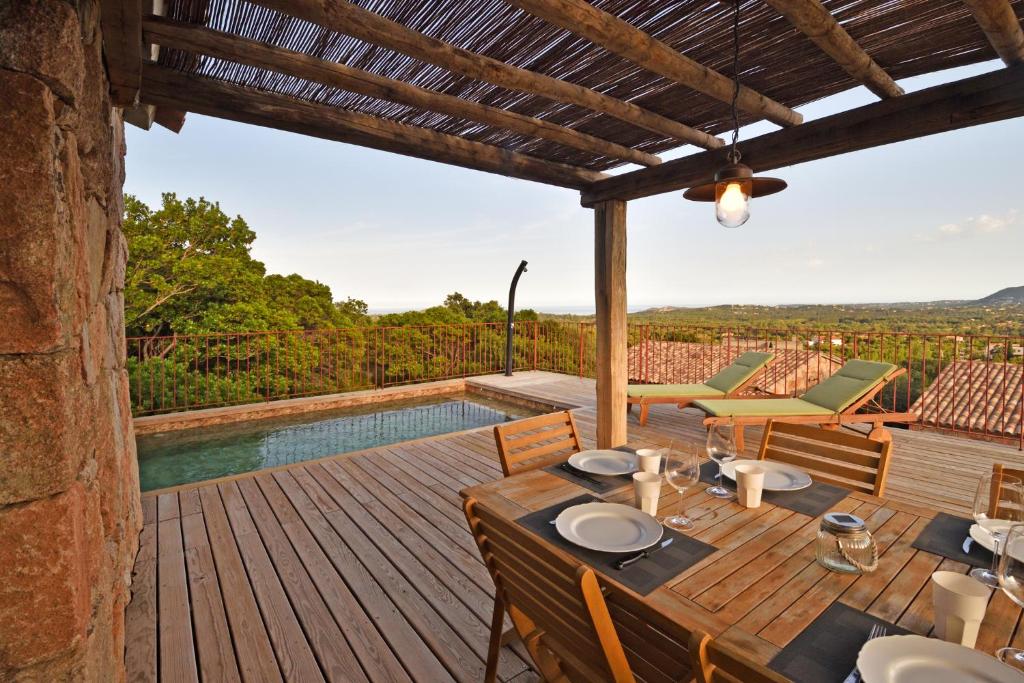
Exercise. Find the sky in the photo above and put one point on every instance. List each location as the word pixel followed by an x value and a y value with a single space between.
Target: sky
pixel 940 217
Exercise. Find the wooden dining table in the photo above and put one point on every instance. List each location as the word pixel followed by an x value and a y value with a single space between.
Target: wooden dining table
pixel 763 586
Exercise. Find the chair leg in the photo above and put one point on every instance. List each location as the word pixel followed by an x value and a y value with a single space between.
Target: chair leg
pixel 737 432
pixel 644 410
pixel 880 433
pixel 495 644
pixel 509 636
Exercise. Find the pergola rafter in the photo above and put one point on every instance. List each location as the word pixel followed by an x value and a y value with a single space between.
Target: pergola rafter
pixel 350 19
pixel 818 24
pixel 1002 28
pixel 243 51
pixel 995 96
pixel 623 39
pixel 165 87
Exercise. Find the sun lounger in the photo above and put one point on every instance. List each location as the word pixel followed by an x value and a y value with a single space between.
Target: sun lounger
pixel 830 403
pixel 728 382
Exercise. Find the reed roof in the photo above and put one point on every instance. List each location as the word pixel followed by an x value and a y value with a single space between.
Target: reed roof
pixel 905 38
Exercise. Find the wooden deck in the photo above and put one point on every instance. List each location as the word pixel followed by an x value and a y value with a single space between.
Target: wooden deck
pixel 359 567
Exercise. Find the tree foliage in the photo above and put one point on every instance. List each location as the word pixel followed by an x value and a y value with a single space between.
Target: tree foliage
pixel 191 270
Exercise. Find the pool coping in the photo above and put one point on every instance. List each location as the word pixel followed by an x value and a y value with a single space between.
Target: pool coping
pixel 249 412
pixel 205 417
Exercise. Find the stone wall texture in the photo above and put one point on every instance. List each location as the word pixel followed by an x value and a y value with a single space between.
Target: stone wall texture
pixel 69 502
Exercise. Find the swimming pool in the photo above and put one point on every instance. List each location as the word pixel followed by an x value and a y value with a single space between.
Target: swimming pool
pixel 190 455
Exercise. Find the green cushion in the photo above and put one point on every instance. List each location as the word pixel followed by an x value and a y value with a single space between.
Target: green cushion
pixel 681 390
pixel 739 371
pixel 852 381
pixel 757 407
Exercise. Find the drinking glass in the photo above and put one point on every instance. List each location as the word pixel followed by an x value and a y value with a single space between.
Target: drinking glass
pixel 998 503
pixel 1011 580
pixel 722 449
pixel 682 470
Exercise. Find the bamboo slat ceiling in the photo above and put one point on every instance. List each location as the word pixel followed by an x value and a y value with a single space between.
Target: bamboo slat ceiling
pixel 905 37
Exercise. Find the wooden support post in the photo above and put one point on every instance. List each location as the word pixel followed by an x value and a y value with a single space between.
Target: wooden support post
pixel 610 299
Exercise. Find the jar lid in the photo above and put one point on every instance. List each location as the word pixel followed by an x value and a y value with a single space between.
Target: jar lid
pixel 842 523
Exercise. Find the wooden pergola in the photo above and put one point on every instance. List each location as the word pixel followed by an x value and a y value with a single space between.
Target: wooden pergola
pixel 559 91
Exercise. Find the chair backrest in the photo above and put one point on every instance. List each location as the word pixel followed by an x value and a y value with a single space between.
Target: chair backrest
pixel 997 501
pixel 523 444
pixel 556 604
pixel 854 381
pixel 841 458
pixel 717 663
pixel 741 370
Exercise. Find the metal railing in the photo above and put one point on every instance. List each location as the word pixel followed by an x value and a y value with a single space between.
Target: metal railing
pixel 970 384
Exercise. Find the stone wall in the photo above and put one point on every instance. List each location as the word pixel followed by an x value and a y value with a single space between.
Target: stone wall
pixel 69 504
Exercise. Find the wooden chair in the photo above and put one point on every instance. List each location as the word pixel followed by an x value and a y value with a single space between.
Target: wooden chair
pixel 557 606
pixel 848 460
pixel 996 498
pixel 717 663
pixel 523 444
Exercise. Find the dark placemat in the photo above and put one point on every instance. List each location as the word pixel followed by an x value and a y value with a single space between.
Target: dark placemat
pixel 602 483
pixel 815 500
pixel 945 535
pixel 643 576
pixel 826 651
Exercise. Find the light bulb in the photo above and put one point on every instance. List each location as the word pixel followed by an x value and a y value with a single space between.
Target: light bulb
pixel 732 203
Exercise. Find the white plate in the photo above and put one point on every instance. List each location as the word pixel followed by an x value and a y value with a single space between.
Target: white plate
pixel 608 527
pixel 777 476
pixel 607 462
pixel 913 659
pixel 983 537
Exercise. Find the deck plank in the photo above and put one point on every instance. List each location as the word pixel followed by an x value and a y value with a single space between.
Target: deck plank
pixel 293 651
pixel 213 637
pixel 331 614
pixel 256 658
pixel 441 620
pixel 177 650
pixel 141 615
pixel 408 646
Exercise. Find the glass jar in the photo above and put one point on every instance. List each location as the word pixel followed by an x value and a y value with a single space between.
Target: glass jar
pixel 845 545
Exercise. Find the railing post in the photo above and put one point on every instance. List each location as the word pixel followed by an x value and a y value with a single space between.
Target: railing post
pixel 536 325
pixel 581 351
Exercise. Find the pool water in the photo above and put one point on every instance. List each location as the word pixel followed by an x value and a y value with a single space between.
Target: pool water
pixel 189 455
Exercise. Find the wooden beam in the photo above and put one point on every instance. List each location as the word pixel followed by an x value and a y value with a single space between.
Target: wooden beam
pixel 625 40
pixel 165 87
pixel 818 24
pixel 121 24
pixel 969 102
pixel 350 19
pixel 610 300
pixel 192 38
pixel 171 119
pixel 140 115
pixel 999 22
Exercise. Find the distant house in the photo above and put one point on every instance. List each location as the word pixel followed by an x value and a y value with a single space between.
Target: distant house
pixel 995 349
pixel 974 396
pixel 663 362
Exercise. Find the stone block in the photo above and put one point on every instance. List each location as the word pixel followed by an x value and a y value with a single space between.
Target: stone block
pixel 41 38
pixel 45 567
pixel 37 289
pixel 42 439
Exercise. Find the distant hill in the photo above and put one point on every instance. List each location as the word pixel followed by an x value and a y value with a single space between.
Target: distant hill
pixel 1011 296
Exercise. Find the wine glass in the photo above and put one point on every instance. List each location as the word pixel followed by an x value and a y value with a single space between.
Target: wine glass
pixel 1011 580
pixel 682 470
pixel 722 449
pixel 998 503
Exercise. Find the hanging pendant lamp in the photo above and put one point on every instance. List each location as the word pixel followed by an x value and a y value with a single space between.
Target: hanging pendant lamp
pixel 734 184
